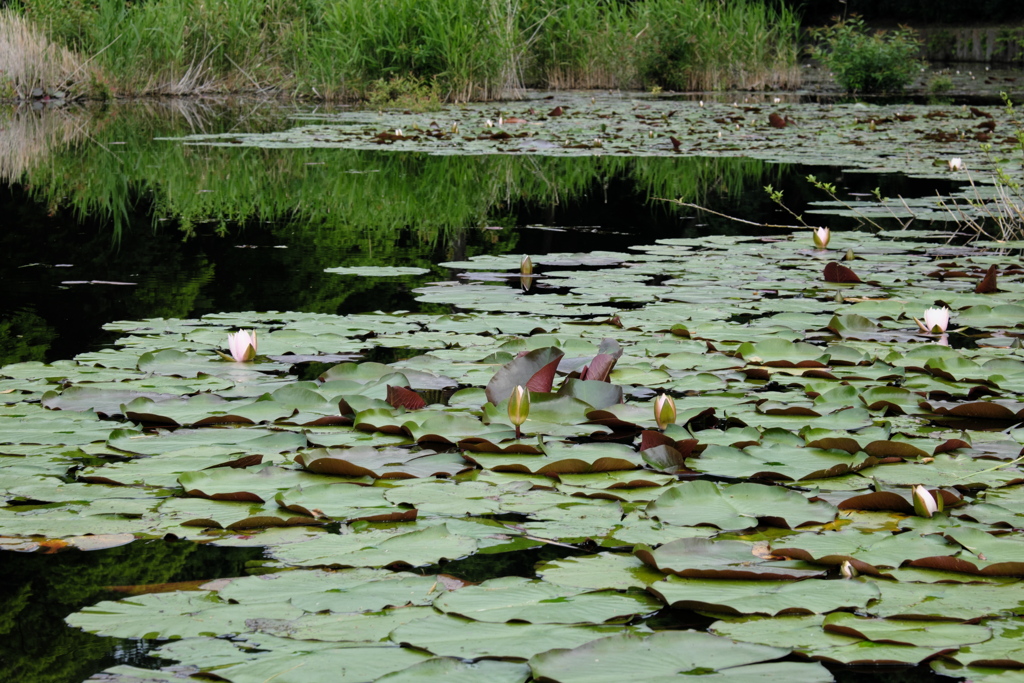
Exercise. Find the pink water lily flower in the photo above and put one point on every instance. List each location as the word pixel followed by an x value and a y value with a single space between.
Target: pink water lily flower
pixel 821 237
pixel 242 345
pixel 936 320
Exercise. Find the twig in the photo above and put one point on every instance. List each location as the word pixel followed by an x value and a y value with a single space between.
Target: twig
pixel 86 62
pixel 732 218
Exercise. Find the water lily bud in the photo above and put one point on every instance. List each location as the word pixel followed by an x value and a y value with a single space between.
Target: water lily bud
pixel 526 266
pixel 519 407
pixel 664 411
pixel 242 345
pixel 956 164
pixel 821 237
pixel 924 502
pixel 847 570
pixel 936 320
pixel 849 256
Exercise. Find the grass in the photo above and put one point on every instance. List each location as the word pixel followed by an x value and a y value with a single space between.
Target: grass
pixel 708 45
pixel 344 49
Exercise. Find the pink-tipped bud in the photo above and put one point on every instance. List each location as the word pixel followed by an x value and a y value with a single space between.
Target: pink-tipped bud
pixel 664 411
pixel 821 237
pixel 242 345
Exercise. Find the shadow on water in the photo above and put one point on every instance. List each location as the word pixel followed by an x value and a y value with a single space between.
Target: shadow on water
pixel 38 591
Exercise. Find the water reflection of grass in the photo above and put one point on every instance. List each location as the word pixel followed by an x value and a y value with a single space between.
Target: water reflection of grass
pixel 363 196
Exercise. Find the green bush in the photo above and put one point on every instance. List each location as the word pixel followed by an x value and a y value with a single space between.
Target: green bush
pixel 863 61
pixel 404 92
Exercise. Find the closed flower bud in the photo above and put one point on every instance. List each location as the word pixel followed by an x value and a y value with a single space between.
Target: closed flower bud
pixel 847 570
pixel 821 237
pixel 526 266
pixel 519 407
pixel 924 502
pixel 664 411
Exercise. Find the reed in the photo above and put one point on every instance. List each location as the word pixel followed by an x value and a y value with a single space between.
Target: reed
pixel 30 61
pixel 467 49
pixel 708 45
pixel 583 44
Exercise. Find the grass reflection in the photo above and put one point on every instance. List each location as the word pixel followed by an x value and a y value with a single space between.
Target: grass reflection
pixel 102 163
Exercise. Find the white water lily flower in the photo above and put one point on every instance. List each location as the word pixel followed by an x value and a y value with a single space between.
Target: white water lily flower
pixel 936 320
pixel 956 164
pixel 821 237
pixel 924 502
pixel 242 345
pixel 847 570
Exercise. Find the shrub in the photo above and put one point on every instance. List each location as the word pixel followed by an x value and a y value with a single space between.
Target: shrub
pixel 404 92
pixel 867 62
pixel 940 83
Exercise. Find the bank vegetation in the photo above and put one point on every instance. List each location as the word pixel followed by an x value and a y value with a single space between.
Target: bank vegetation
pixel 453 50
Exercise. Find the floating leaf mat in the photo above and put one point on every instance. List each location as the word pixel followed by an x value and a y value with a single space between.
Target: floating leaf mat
pixel 779 503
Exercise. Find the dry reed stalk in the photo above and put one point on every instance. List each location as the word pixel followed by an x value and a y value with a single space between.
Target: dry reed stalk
pixel 29 60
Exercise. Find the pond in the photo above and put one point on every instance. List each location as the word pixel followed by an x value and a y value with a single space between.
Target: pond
pixel 358 496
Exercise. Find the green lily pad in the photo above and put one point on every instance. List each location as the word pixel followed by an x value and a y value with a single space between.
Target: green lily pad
pixel 663 656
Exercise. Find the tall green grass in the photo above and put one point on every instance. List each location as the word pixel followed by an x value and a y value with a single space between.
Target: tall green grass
pixel 468 49
pixel 468 46
pixel 583 44
pixel 710 45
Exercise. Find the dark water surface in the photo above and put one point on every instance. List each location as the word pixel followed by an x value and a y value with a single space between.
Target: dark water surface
pixel 102 222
